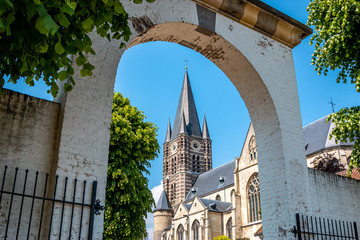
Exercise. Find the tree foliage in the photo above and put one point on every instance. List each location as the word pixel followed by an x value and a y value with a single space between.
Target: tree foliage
pixel 133 144
pixel 337 38
pixel 347 128
pixel 38 37
pixel 222 237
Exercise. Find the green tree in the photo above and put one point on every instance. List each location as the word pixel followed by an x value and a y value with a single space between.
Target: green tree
pixel 347 127
pixel 222 237
pixel 133 144
pixel 37 37
pixel 336 38
pixel 337 47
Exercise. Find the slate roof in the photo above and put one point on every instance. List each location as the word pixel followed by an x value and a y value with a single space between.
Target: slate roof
pixel 209 181
pixel 187 206
pixel 163 202
pixel 187 107
pixel 316 136
pixel 218 207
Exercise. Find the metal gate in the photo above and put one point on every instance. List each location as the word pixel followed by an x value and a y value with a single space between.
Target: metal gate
pixel 30 208
pixel 321 228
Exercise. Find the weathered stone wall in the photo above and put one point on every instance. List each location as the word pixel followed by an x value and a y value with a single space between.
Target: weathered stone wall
pixel 334 197
pixel 28 140
pixel 28 131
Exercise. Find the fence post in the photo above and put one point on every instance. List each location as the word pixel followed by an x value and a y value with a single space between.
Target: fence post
pixel 298 226
pixel 356 232
pixel 92 211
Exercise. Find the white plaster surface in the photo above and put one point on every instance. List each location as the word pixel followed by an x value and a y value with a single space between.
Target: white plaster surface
pixel 334 197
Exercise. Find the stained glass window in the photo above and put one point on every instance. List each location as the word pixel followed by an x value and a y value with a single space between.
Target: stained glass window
pixel 180 232
pixel 229 228
pixel 254 198
pixel 195 230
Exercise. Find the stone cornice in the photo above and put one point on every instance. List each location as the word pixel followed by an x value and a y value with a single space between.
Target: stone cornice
pixel 262 18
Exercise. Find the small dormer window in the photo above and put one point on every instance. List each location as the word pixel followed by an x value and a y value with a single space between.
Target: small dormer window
pixel 218 198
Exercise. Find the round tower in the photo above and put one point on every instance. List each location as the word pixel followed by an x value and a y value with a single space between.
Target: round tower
pixel 162 216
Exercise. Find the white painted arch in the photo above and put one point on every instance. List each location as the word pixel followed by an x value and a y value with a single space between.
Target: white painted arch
pixel 260 68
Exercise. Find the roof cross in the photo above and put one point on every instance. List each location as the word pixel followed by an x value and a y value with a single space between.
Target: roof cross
pixel 332 104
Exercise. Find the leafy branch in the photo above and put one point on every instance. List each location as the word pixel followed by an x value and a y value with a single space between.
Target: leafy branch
pixel 39 37
pixel 337 38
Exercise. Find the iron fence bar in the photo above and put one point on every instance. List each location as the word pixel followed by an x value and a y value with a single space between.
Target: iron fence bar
pixel 324 226
pixel 47 199
pixel 352 230
pixel 340 228
pixel 32 204
pixel 94 206
pixel 42 205
pixel 317 228
pixel 82 209
pixel 3 182
pixel 53 205
pixel 345 231
pixel 320 227
pixel 329 230
pixel 317 236
pixel 303 223
pixel 11 201
pixel 22 203
pixel 92 211
pixel 63 208
pixel 312 227
pixel 356 232
pixel 72 208
pixel 298 226
pixel 332 227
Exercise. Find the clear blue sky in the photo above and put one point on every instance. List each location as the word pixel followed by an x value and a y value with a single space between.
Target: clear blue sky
pixel 151 75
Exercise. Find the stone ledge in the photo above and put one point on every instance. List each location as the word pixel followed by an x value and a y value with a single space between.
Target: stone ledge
pixel 262 18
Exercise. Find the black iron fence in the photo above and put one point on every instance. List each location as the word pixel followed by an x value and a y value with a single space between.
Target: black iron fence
pixel 30 208
pixel 311 228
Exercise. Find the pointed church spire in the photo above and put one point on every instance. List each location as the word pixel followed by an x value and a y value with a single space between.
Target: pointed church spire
pixel 163 202
pixel 182 124
pixel 168 133
pixel 205 131
pixel 186 107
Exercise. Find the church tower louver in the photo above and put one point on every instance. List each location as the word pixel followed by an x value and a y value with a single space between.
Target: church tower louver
pixel 187 149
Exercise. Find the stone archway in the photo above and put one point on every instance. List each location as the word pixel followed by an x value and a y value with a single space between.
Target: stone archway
pixel 257 59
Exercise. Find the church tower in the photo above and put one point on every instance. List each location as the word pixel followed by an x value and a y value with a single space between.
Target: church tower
pixel 187 149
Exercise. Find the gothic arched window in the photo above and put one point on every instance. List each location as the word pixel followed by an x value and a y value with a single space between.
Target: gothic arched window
pixel 180 232
pixel 218 198
pixel 253 191
pixel 195 230
pixel 229 228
